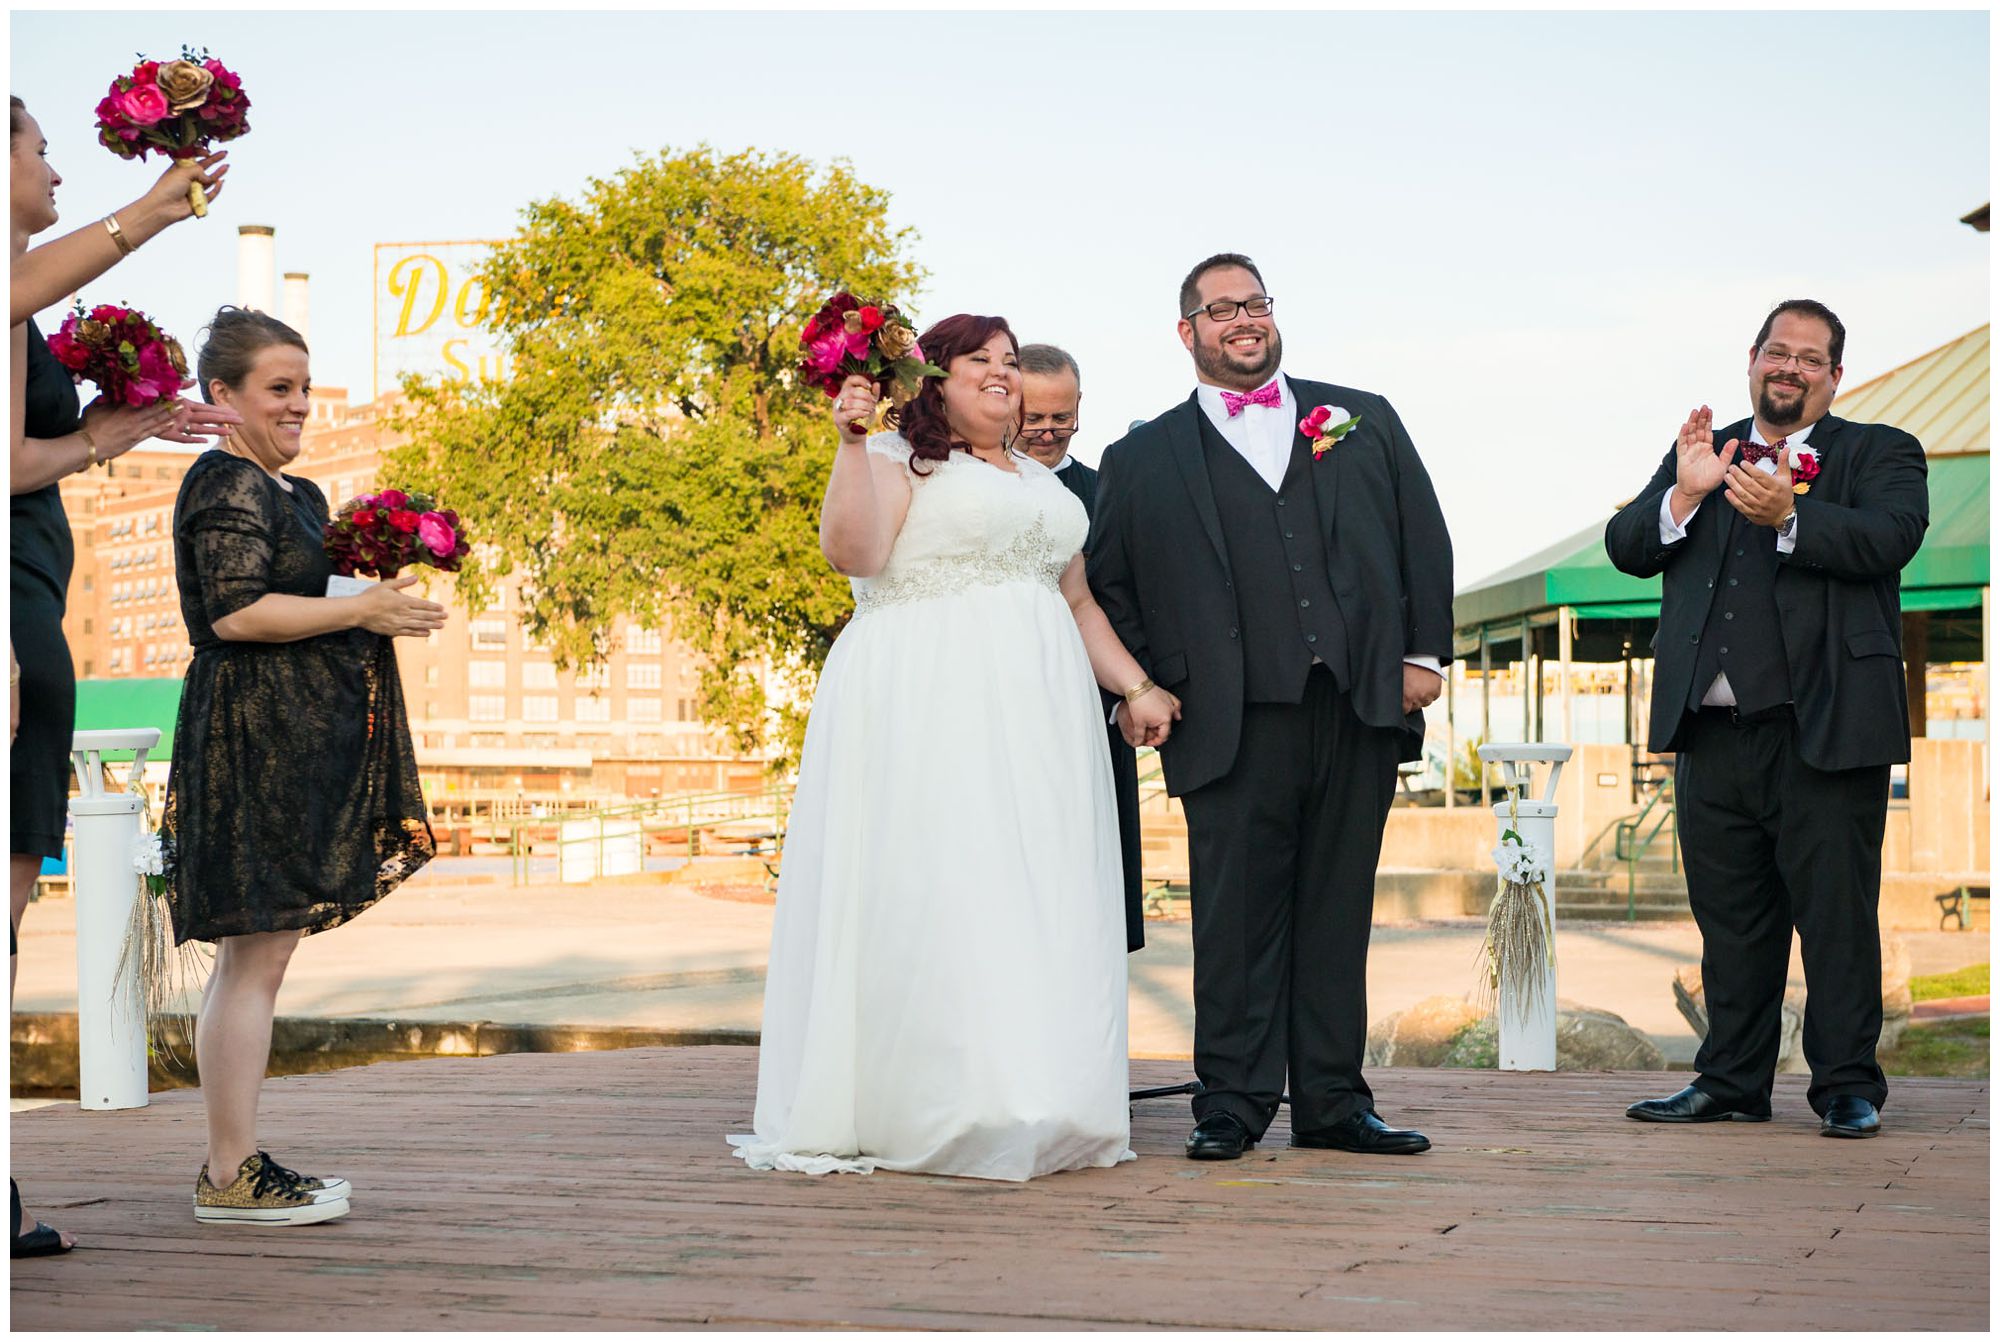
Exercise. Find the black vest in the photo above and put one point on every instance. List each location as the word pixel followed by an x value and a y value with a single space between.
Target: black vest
pixel 1277 559
pixel 1741 637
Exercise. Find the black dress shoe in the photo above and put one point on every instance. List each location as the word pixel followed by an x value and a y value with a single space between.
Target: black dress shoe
pixel 1367 1134
pixel 1220 1136
pixel 1849 1116
pixel 1691 1105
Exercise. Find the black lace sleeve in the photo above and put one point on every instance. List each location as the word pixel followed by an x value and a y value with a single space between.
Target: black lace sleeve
pixel 225 524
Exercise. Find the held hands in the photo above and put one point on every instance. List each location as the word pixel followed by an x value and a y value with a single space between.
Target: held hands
pixel 1421 687
pixel 384 609
pixel 854 410
pixel 1150 719
pixel 1701 468
pixel 1763 499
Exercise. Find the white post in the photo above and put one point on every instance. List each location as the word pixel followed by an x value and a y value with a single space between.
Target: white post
pixel 1528 1024
pixel 110 1019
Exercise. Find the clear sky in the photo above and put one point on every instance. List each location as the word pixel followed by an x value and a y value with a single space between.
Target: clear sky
pixel 1543 236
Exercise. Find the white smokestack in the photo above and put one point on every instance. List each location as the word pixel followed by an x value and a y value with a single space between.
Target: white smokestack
pixel 257 267
pixel 298 306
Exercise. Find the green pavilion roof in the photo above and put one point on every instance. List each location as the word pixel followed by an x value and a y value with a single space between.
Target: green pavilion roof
pixel 103 705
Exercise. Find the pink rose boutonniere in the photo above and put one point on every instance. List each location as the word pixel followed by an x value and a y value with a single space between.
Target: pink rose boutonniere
pixel 1327 425
pixel 1805 469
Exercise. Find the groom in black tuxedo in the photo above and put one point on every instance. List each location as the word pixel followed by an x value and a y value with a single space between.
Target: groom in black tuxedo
pixel 1779 683
pixel 1051 397
pixel 1296 594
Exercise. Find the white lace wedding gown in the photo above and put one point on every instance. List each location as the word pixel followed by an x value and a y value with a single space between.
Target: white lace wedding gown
pixel 946 990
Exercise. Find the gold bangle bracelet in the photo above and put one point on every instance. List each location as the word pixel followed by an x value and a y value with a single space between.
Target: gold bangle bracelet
pixel 89 446
pixel 125 247
pixel 1138 691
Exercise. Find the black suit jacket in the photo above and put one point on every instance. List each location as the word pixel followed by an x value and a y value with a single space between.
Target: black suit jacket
pixel 1081 481
pixel 1159 568
pixel 1839 607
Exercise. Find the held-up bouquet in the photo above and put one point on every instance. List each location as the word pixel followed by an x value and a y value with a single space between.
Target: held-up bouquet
pixel 123 351
pixel 180 108
pixel 848 337
pixel 386 532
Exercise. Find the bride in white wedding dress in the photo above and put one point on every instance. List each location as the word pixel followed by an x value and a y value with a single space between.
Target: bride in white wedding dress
pixel 946 990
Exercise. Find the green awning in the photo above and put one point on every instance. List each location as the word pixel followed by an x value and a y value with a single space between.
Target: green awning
pixel 1955 560
pixel 105 705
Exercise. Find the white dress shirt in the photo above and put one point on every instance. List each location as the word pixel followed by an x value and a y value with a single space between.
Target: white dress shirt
pixel 1718 694
pixel 1062 465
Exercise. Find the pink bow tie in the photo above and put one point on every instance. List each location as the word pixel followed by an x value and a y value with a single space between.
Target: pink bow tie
pixel 1756 452
pixel 1264 395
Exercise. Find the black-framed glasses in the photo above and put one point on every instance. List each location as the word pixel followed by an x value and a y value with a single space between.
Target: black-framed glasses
pixel 1808 363
pixel 1057 432
pixel 1225 309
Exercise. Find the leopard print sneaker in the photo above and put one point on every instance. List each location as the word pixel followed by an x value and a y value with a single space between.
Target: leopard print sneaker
pixel 263 1193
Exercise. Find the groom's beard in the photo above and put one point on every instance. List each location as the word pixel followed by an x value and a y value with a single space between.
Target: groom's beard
pixel 1781 413
pixel 1220 366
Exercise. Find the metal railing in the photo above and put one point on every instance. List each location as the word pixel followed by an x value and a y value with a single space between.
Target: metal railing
pixel 690 813
pixel 1634 838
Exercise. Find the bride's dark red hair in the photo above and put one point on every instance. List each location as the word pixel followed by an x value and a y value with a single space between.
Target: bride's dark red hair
pixel 922 422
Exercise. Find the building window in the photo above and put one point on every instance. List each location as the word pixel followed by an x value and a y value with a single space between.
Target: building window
pixel 538 675
pixel 430 676
pixel 590 708
pixel 538 708
pixel 684 710
pixel 643 642
pixel 486 675
pixel 596 677
pixel 643 709
pixel 486 708
pixel 489 635
pixel 642 675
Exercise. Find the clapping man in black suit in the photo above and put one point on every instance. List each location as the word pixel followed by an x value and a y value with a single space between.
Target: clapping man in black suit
pixel 1294 589
pixel 1051 395
pixel 1779 683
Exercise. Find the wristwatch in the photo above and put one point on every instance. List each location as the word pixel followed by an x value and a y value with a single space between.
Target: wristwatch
pixel 1789 525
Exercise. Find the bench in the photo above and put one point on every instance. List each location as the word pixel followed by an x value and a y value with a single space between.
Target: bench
pixel 1958 904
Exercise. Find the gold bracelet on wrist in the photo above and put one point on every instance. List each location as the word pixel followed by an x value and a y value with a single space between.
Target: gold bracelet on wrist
pixel 1139 691
pixel 89 446
pixel 125 247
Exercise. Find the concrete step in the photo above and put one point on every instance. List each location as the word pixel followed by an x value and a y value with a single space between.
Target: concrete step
pixel 1616 913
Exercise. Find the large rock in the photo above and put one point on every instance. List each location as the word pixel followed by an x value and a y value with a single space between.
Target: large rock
pixel 1451 1032
pixel 1691 1002
pixel 1422 1035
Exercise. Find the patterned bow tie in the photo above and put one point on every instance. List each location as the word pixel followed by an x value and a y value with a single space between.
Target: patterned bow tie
pixel 1264 395
pixel 1756 452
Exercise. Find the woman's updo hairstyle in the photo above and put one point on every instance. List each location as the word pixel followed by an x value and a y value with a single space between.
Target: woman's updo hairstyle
pixel 922 422
pixel 231 343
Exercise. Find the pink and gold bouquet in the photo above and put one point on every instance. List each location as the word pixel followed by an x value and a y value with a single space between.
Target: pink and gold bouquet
pixel 123 351
pixel 848 337
pixel 180 108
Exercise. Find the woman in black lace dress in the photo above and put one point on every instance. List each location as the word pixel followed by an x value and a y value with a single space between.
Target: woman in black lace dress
pixel 52 436
pixel 292 804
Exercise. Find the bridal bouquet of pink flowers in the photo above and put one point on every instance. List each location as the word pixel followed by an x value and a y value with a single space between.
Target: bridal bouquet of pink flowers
pixel 123 351
pixel 848 337
pixel 386 532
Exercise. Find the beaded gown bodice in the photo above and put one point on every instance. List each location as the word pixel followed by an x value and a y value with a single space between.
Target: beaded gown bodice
pixel 971 524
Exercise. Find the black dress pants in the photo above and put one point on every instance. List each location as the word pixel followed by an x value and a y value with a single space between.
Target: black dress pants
pixel 1282 853
pixel 1772 843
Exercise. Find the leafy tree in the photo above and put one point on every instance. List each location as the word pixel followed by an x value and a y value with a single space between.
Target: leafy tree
pixel 651 455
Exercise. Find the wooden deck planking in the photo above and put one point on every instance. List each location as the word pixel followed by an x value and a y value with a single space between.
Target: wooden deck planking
pixel 580 1191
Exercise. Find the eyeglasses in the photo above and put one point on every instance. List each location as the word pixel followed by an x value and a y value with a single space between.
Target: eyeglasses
pixel 1808 363
pixel 1224 310
pixel 1057 432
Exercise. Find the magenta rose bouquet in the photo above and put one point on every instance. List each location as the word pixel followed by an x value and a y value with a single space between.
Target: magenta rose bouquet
pixel 388 531
pixel 123 351
pixel 179 108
